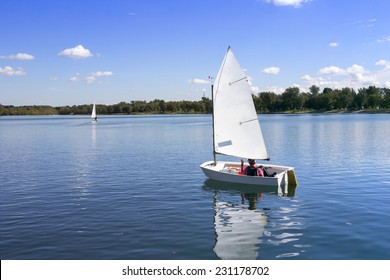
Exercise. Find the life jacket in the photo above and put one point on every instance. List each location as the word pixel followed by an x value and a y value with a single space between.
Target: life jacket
pixel 265 172
pixel 251 171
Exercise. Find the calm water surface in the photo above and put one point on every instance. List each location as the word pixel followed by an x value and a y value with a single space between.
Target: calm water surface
pixel 130 187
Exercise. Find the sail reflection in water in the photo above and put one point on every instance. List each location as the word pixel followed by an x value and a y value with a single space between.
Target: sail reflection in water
pixel 238 228
pixel 246 231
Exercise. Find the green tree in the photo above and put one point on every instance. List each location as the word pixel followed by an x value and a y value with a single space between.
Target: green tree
pixel 374 97
pixel 208 105
pixel 291 99
pixel 343 99
pixel 259 104
pixel 271 101
pixel 313 101
pixel 326 100
pixel 314 90
pixel 360 100
pixel 385 98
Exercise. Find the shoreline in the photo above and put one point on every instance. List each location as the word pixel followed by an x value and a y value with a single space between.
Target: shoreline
pixel 365 111
pixel 332 112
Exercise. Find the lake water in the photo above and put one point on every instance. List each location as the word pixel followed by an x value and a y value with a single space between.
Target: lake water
pixel 130 187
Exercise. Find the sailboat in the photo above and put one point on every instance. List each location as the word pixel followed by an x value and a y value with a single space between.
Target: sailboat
pixel 237 132
pixel 93 115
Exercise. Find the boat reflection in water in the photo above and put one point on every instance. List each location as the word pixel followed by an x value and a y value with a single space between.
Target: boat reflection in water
pixel 239 227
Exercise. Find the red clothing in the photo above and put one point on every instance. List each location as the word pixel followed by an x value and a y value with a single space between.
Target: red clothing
pixel 244 171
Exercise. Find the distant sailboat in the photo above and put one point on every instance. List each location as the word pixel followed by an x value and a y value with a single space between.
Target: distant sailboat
pixel 237 132
pixel 93 115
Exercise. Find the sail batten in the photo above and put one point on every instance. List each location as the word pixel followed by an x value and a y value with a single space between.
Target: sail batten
pixel 237 81
pixel 235 117
pixel 244 122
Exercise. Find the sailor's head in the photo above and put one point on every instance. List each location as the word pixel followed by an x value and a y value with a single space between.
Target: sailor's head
pixel 251 161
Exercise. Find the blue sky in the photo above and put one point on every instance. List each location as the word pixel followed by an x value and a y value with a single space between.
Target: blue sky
pixel 77 52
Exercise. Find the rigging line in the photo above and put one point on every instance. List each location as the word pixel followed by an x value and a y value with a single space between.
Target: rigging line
pixel 237 81
pixel 241 123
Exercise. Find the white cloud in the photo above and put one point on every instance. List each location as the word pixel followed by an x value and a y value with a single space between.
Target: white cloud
pixel 355 76
pixel 355 69
pixel 274 89
pixel 198 81
pixel 318 81
pixel 332 70
pixel 74 79
pixel 359 75
pixel 384 39
pixel 272 70
pixel 18 56
pixel 91 78
pixel 102 74
pixel 383 75
pixel 365 23
pixel 9 71
pixel 385 63
pixel 254 89
pixel 307 77
pixel 77 52
pixel 333 44
pixel 294 3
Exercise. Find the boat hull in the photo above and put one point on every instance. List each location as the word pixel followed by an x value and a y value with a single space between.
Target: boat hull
pixel 225 171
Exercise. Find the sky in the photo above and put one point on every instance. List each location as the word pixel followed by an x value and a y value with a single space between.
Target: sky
pixel 72 52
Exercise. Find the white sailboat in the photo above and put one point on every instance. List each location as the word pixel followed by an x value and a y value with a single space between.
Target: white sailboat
pixel 93 115
pixel 236 131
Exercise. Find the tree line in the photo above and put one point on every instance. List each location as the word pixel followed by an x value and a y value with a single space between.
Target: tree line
pixel 291 100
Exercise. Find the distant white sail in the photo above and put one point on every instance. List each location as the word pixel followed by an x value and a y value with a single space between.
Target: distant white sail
pixel 236 125
pixel 93 115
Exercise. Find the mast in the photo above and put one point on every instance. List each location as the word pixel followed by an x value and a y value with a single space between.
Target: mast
pixel 212 120
pixel 213 108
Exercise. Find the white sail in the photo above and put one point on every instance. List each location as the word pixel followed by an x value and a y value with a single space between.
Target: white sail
pixel 93 115
pixel 236 127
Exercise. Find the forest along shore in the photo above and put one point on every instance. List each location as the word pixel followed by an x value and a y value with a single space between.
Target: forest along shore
pixel 346 100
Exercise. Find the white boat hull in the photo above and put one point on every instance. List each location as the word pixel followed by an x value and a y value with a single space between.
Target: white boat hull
pixel 229 172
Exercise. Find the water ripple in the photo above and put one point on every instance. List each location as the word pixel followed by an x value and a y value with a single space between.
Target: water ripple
pixel 130 187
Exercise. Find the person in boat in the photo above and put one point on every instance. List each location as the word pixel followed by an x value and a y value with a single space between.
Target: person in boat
pixel 252 169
